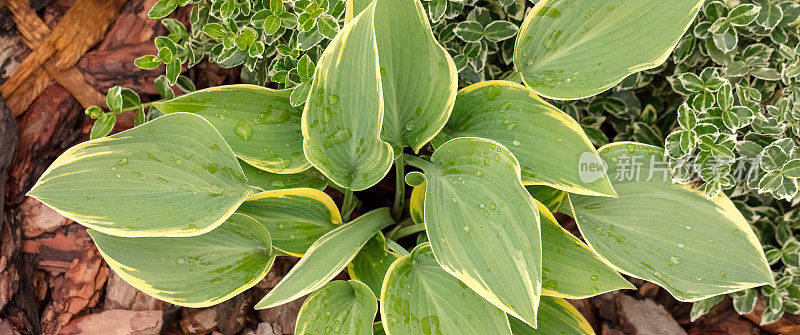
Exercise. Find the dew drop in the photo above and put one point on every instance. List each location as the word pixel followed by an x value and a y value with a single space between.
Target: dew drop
pixel 673 261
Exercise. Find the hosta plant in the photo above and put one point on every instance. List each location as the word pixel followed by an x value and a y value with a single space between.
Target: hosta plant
pixel 193 207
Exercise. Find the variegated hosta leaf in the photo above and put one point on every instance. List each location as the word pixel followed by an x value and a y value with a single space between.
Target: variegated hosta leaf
pixel 371 263
pixel 268 181
pixel 572 49
pixel 483 225
pixel 259 123
pixel 343 115
pixel 419 297
pixel 418 76
pixel 339 307
pixel 196 271
pixel 548 196
pixel 296 218
pixel 551 147
pixel 556 316
pixel 416 203
pixel 669 234
pixel 569 268
pixel 326 258
pixel 354 7
pixel 173 176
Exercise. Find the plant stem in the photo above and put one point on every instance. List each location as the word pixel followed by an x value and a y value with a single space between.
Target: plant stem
pixel 398 249
pixel 348 205
pixel 406 231
pixel 399 189
pixel 420 163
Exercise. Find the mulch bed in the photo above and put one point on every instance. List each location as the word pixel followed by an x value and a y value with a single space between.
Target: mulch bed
pixel 58 57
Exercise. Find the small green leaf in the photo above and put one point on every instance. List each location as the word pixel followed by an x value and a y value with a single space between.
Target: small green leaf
pixel 483 225
pixel 296 217
pixel 259 123
pixel 139 182
pixel 162 8
pixel 743 14
pixel 246 38
pixel 419 297
pixel 305 68
pixel 300 94
pixel 669 234
pixel 197 271
pixel 339 307
pixel 500 30
pixel 103 126
pixel 271 24
pixel 572 49
pixel 326 258
pixel 700 308
pixel 173 71
pixel 215 30
pixel 469 31
pixel 147 62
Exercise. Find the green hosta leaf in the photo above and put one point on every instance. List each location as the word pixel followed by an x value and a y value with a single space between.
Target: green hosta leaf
pixel 416 203
pixel 371 263
pixel 569 268
pixel 173 176
pixel 268 181
pixel 343 116
pixel 295 217
pixel 354 7
pixel 339 307
pixel 197 271
pixel 418 76
pixel 326 258
pixel 550 146
pixel 548 196
pixel 483 225
pixel 571 49
pixel 667 233
pixel 556 316
pixel 259 123
pixel 419 297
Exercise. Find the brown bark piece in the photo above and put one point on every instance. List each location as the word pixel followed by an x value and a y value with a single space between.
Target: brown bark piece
pixel 116 322
pixel 51 125
pixel 78 288
pixel 80 28
pixel 644 317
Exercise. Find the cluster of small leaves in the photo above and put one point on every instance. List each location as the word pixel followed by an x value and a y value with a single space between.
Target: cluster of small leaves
pixel 740 115
pixel 478 34
pixel 738 129
pixel 274 41
pixel 120 99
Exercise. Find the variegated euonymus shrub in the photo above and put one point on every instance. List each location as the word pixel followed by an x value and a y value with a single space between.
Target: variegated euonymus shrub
pixel 194 206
